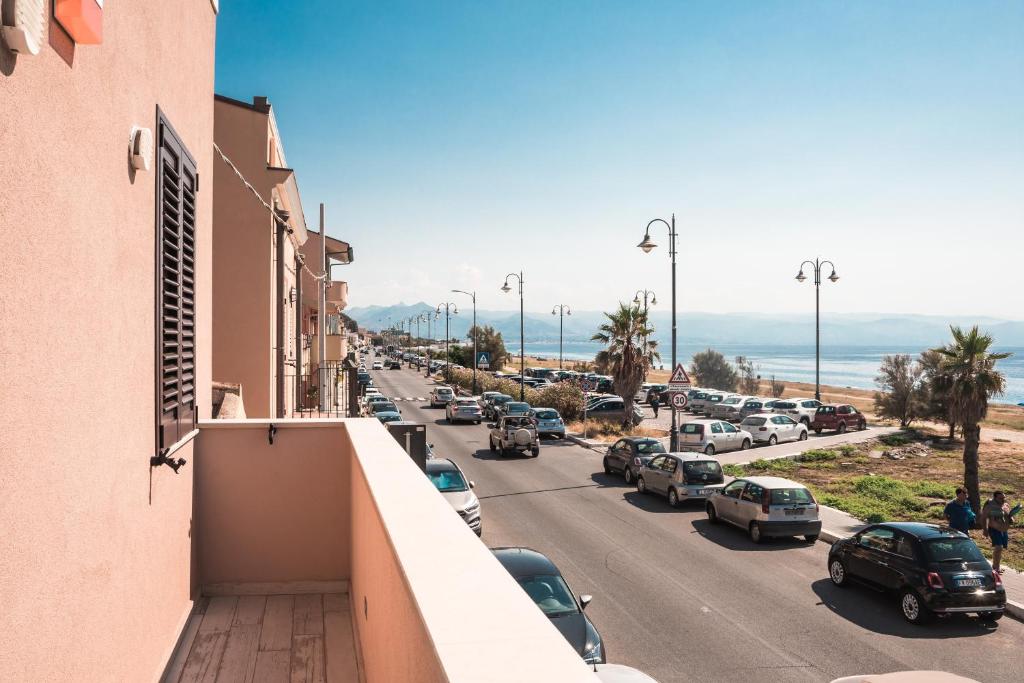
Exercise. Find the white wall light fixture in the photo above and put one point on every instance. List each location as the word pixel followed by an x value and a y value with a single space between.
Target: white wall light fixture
pixel 140 148
pixel 24 25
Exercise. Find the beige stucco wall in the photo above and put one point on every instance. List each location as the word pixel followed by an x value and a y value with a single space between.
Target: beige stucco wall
pixel 273 512
pixel 96 547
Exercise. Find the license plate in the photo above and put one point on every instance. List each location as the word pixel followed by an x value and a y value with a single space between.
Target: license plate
pixel 968 583
pixel 794 512
pixel 704 492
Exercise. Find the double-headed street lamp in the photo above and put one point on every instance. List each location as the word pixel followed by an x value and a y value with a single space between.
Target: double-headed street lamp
pixel 647 245
pixel 472 295
pixel 646 293
pixel 561 310
pixel 800 277
pixel 522 342
pixel 450 309
pixel 429 315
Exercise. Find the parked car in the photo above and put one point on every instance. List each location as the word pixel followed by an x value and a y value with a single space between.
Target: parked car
pixel 377 365
pixel 449 480
pixel 766 507
pixel 681 477
pixel 659 390
pixel 641 394
pixel 713 436
pixel 838 417
pixel 713 399
pixel 800 409
pixel 440 396
pixel 548 421
pixel 628 455
pixel 934 569
pixel 485 397
pixel 696 400
pixel 384 406
pixel 364 379
pixel 517 408
pixel 463 410
pixel 494 405
pixel 770 428
pixel 386 416
pixel 729 408
pixel 753 406
pixel 613 409
pixel 542 581
pixel 514 434
pixel 372 399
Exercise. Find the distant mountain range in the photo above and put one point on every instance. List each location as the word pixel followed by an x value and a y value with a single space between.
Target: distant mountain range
pixel 851 329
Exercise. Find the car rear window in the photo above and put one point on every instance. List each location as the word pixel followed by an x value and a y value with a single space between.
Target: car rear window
pixel 731 401
pixel 699 467
pixel 825 409
pixel 649 447
pixel 691 428
pixel 547 414
pixel 799 496
pixel 785 405
pixel 952 549
pixel 754 421
pixel 752 405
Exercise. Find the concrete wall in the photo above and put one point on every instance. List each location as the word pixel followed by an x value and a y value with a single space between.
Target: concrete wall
pixel 96 548
pixel 273 512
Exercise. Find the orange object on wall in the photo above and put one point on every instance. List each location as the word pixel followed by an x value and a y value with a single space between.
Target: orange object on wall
pixel 82 19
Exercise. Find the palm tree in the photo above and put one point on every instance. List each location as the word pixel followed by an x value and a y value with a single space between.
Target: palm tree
pixel 974 380
pixel 630 353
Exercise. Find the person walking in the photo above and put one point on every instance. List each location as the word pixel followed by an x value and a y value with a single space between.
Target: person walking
pixel 996 520
pixel 958 512
pixel 655 402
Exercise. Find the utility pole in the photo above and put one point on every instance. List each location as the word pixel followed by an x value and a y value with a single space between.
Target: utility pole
pixel 321 318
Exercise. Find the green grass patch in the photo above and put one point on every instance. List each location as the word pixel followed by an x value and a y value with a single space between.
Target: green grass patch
pixel 897 439
pixel 779 465
pixel 734 470
pixel 933 489
pixel 878 498
pixel 818 455
pixel 847 450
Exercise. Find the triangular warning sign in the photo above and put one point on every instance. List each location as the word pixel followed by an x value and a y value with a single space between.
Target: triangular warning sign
pixel 679 375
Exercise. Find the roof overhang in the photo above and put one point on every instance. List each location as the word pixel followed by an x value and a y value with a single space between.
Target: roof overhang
pixel 288 193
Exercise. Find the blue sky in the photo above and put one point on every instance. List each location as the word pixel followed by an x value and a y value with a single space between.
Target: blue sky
pixel 455 141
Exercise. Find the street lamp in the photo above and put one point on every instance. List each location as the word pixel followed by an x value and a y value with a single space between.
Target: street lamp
pixel 646 293
pixel 800 277
pixel 522 342
pixel 430 315
pixel 472 295
pixel 563 311
pixel 647 245
pixel 449 310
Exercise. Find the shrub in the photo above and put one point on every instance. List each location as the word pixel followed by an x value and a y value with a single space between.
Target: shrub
pixel 734 470
pixel 933 489
pixel 564 397
pixel 818 455
pixel 897 439
pixel 847 450
pixel 777 465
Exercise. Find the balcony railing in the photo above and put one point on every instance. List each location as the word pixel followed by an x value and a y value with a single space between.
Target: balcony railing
pixel 322 393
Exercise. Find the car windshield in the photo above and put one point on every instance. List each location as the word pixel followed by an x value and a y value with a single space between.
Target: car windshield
pixel 364 375
pixel 649 447
pixel 547 414
pixel 953 549
pixel 517 407
pixel 699 467
pixel 444 392
pixel 731 401
pixel 752 405
pixel 385 406
pixel 799 496
pixel 754 421
pixel 447 481
pixel 550 594
pixel 785 405
pixel 502 400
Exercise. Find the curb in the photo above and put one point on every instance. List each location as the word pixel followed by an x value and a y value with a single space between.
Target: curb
pixel 579 441
pixel 1015 610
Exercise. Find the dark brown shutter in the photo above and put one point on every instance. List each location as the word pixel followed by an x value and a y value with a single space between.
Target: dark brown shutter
pixel 176 232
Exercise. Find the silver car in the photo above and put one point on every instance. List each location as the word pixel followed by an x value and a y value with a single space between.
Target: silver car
pixel 713 436
pixel 800 409
pixel 449 480
pixel 713 399
pixel 771 429
pixel 680 477
pixel 766 507
pixel 729 408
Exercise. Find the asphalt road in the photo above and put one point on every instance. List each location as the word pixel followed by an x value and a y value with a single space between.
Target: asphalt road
pixel 685 601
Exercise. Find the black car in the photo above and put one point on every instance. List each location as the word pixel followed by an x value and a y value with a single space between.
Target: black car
pixel 627 456
pixel 934 569
pixel 542 581
pixel 395 365
pixel 365 380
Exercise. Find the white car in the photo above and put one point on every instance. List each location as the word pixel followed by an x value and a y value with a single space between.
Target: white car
pixel 800 409
pixel 440 396
pixel 713 436
pixel 766 507
pixel 770 428
pixel 729 408
pixel 377 365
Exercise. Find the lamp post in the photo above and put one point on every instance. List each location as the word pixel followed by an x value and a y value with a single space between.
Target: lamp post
pixel 449 310
pixel 431 315
pixel 646 293
pixel 522 341
pixel 647 245
pixel 800 277
pixel 563 311
pixel 472 295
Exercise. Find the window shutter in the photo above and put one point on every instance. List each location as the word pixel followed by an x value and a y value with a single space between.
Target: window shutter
pixel 176 235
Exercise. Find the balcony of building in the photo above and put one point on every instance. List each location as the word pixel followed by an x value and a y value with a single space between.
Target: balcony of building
pixel 337 294
pixel 324 554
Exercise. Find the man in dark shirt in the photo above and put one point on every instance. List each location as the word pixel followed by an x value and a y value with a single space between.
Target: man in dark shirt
pixel 958 512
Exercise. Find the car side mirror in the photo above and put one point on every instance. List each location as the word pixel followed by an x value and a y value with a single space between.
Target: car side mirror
pixel 492 425
pixel 585 600
pixel 472 484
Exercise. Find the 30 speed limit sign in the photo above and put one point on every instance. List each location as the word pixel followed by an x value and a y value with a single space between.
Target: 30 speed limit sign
pixel 679 400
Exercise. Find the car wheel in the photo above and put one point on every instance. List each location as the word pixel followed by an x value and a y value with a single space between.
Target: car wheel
pixel 837 572
pixel 817 430
pixel 990 616
pixel 641 485
pixel 745 445
pixel 709 449
pixel 803 435
pixel 673 498
pixel 913 607
pixel 805 421
pixel 842 427
pixel 712 515
pixel 755 532
pixel 811 538
pixel 627 475
pixel 863 426
pixel 535 451
pixel 772 440
pixel 607 467
pixel 490 442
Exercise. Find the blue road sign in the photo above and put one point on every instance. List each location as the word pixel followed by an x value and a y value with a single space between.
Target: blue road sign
pixel 483 359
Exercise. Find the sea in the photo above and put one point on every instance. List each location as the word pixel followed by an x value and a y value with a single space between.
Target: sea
pixel 841 366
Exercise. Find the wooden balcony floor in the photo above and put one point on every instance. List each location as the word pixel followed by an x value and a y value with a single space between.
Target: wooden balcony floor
pixel 268 639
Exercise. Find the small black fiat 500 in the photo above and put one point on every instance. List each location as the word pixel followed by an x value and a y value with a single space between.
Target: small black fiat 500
pixel 933 569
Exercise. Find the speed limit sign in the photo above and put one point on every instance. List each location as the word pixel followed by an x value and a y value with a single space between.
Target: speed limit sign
pixel 679 400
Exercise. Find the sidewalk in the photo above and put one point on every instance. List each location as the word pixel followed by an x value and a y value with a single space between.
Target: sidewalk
pixel 836 524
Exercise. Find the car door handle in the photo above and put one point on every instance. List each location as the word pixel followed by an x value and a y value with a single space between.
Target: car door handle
pixel 883 564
